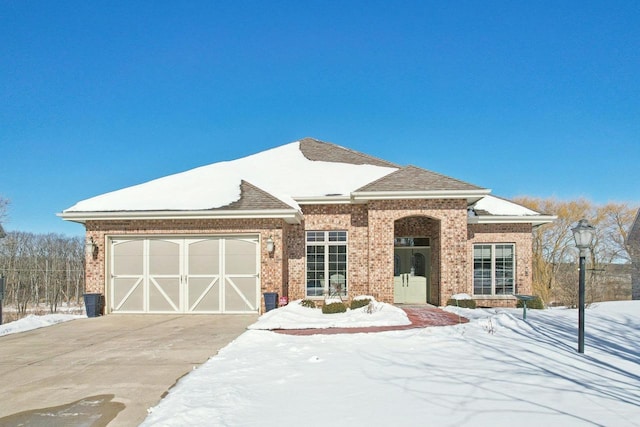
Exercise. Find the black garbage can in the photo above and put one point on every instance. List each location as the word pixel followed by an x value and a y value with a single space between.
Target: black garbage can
pixel 93 304
pixel 270 300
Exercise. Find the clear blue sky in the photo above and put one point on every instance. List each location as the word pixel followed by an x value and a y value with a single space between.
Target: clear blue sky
pixel 538 98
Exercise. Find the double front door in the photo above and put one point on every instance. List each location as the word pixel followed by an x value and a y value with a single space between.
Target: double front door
pixel 411 275
pixel 184 275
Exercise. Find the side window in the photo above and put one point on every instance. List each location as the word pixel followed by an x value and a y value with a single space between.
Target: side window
pixel 494 269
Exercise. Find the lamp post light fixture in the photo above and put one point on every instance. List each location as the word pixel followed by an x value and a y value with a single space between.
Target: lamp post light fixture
pixel 583 234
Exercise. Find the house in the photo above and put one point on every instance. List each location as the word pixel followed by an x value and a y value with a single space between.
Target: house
pixel 633 246
pixel 308 219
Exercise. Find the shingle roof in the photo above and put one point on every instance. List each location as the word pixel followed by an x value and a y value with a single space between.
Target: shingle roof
pixel 253 198
pixel 273 177
pixel 412 178
pixel 316 150
pixel 276 182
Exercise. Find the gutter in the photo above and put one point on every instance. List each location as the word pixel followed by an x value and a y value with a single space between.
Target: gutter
pixel 288 215
pixel 535 220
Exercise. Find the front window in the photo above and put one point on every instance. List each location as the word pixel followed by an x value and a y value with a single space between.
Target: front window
pixel 494 269
pixel 326 263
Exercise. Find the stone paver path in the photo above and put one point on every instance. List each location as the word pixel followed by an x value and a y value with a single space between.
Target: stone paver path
pixel 421 316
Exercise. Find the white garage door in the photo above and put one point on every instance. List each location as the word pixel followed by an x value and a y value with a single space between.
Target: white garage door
pixel 184 275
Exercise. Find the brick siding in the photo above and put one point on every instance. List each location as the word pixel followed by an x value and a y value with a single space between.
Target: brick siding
pixel 371 229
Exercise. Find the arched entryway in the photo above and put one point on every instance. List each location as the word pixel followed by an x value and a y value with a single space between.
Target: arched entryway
pixel 415 255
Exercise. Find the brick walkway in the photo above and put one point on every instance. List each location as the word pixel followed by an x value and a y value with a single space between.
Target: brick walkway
pixel 421 316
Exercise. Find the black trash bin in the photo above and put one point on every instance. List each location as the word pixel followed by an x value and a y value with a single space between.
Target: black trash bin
pixel 93 304
pixel 270 300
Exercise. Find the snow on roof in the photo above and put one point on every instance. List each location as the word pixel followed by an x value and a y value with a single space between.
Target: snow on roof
pixel 283 172
pixel 497 206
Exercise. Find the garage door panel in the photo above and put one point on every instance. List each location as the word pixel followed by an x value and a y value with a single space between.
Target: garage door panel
pixel 128 258
pixel 164 294
pixel 204 257
pixel 240 256
pixel 240 294
pixel 164 257
pixel 204 294
pixel 128 294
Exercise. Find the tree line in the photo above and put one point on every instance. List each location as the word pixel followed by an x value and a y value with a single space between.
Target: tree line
pixel 41 269
pixel 555 256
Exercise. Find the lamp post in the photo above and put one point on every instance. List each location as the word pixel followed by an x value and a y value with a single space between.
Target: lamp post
pixel 583 235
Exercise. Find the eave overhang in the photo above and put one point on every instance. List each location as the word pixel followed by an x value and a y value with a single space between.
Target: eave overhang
pixel 471 196
pixel 290 216
pixel 535 220
pixel 323 200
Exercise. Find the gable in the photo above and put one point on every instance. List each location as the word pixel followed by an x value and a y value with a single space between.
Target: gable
pixel 412 178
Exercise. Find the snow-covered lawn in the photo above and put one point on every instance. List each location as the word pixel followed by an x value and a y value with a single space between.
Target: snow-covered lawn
pixel 34 322
pixel 496 370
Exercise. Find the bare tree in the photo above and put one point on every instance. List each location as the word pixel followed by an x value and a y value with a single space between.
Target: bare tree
pixel 4 206
pixel 555 254
pixel 42 269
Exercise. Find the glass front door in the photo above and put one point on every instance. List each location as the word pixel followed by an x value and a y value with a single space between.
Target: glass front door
pixel 411 274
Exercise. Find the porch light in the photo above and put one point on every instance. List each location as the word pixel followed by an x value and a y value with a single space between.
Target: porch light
pixel 583 234
pixel 91 247
pixel 270 245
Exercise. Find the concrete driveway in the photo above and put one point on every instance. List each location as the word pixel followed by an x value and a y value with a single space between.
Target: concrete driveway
pixel 113 368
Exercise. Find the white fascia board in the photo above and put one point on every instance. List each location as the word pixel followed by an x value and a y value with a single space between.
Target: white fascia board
pixel 291 216
pixel 433 194
pixel 323 200
pixel 512 219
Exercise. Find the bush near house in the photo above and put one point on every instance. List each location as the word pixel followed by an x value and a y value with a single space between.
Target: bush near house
pixel 334 307
pixel 535 303
pixel 464 303
pixel 308 303
pixel 357 303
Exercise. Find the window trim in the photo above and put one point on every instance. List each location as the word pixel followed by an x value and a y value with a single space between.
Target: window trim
pixel 330 238
pixel 493 269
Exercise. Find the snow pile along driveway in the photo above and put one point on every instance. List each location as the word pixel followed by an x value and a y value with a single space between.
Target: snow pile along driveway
pixel 34 322
pixel 496 370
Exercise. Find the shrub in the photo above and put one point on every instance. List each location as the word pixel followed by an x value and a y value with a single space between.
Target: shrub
pixel 308 303
pixel 357 303
pixel 536 303
pixel 334 307
pixel 464 303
